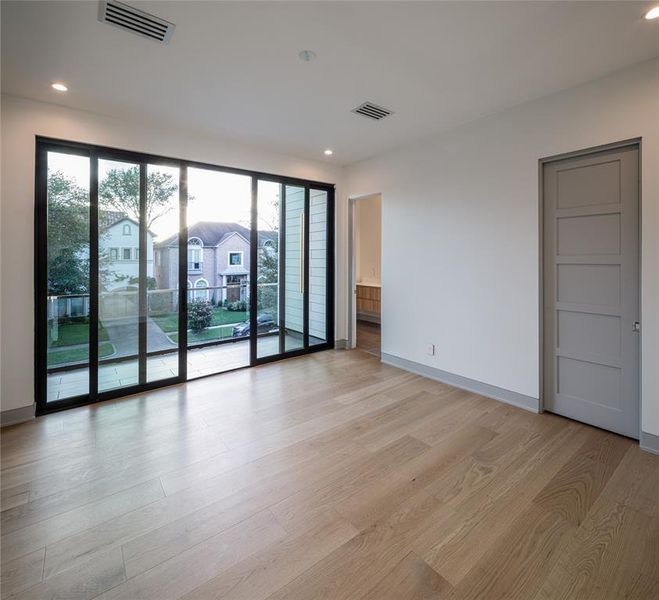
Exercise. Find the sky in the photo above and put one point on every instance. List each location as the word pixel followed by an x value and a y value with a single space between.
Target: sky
pixel 215 195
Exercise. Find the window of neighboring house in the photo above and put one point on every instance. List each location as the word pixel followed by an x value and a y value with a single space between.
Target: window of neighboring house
pixel 126 229
pixel 126 252
pixel 114 254
pixel 202 294
pixel 235 259
pixel 137 254
pixel 195 256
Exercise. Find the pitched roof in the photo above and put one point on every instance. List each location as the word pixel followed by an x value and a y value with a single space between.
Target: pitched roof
pixel 211 233
pixel 107 218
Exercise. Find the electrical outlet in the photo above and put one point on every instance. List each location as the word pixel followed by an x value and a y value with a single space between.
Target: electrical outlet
pixel 430 350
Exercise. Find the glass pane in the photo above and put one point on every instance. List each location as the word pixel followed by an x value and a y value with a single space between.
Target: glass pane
pixel 118 274
pixel 162 221
pixel 267 268
pixel 68 276
pixel 294 265
pixel 218 253
pixel 318 253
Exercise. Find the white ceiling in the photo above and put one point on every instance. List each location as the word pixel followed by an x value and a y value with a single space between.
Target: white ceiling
pixel 232 68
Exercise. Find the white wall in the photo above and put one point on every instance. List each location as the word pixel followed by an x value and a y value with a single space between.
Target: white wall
pixel 368 239
pixel 460 220
pixel 22 120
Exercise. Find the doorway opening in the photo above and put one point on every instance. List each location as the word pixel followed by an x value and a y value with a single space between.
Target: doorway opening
pixel 366 273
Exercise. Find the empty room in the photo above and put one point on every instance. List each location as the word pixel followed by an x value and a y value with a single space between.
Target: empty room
pixel 342 300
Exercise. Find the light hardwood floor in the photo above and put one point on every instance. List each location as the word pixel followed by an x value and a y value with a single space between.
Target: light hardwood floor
pixel 329 476
pixel 368 337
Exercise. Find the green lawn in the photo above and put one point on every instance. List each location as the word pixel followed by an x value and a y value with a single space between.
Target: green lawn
pixel 70 334
pixel 62 357
pixel 221 316
pixel 207 335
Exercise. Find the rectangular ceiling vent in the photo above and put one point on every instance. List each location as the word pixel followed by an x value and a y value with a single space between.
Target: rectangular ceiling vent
pixel 372 111
pixel 135 20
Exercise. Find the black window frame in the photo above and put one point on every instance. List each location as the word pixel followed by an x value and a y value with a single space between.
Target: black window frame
pixel 43 145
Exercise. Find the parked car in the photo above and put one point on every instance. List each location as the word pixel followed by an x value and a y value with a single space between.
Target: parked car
pixel 264 324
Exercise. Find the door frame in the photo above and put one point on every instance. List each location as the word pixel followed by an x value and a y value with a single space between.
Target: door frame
pixel 306 348
pixel 628 143
pixel 96 152
pixel 352 268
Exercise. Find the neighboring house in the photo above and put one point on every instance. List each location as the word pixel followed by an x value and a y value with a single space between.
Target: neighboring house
pixel 218 255
pixel 119 255
pixel 119 247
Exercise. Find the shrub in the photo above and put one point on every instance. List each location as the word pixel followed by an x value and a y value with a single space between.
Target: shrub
pixel 200 314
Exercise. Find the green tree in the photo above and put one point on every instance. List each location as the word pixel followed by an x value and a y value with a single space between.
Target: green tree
pixel 268 261
pixel 120 191
pixel 68 236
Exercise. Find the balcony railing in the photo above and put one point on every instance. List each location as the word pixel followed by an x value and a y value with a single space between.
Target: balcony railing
pixel 121 303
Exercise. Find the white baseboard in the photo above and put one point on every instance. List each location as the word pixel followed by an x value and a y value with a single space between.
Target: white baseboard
pixel 649 442
pixel 484 389
pixel 17 415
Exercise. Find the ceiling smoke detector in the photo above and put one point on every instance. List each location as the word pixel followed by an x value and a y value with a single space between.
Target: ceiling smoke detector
pixel 135 21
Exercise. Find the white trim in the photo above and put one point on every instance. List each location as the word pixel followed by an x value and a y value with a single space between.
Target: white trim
pixel 13 416
pixel 228 236
pixel 196 285
pixel 471 385
pixel 229 253
pixel 649 442
pixel 352 266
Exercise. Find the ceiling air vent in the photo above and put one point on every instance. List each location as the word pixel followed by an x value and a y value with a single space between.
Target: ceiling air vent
pixel 134 20
pixel 372 111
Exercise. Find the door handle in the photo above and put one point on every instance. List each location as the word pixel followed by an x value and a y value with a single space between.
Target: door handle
pixel 636 327
pixel 302 242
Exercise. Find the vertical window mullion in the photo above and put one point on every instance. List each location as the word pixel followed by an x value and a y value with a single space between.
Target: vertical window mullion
pixel 41 278
pixel 183 274
pixel 93 276
pixel 142 283
pixel 305 267
pixel 253 267
pixel 329 280
pixel 281 276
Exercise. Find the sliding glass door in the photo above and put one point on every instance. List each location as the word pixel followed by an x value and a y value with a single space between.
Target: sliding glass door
pixel 65 270
pixel 152 271
pixel 218 276
pixel 293 300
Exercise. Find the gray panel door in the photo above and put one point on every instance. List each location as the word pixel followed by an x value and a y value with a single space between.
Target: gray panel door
pixel 591 289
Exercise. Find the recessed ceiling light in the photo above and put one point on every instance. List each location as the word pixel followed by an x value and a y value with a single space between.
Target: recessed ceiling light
pixel 653 13
pixel 60 87
pixel 328 152
pixel 307 55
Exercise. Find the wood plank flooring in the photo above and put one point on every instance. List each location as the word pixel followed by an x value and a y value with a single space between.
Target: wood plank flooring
pixel 368 337
pixel 329 476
